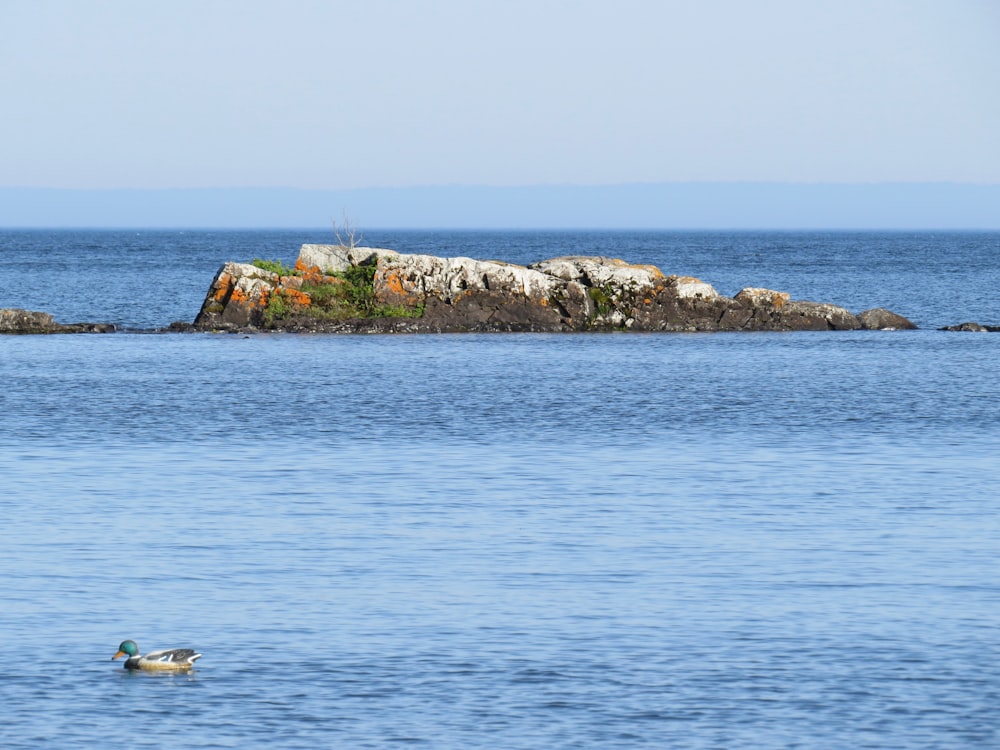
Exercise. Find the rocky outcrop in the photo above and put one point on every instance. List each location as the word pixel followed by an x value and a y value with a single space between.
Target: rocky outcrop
pixel 337 288
pixel 13 320
pixel 238 297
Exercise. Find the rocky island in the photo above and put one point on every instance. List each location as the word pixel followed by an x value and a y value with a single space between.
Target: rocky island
pixel 347 289
pixel 339 288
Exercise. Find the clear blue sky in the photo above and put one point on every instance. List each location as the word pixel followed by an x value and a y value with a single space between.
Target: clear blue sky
pixel 325 94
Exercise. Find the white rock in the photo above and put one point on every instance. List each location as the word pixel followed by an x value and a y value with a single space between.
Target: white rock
pixel 337 258
pixel 599 271
pixel 447 278
pixel 688 287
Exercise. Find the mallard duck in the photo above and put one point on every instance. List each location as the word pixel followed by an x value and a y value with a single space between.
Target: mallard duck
pixel 169 660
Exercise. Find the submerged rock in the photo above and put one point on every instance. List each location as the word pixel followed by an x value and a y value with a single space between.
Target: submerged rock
pixel 14 320
pixel 971 326
pixel 337 288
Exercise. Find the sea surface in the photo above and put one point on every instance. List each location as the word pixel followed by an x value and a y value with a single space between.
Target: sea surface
pixel 506 540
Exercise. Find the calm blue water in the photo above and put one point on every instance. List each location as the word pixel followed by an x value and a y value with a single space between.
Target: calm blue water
pixel 517 541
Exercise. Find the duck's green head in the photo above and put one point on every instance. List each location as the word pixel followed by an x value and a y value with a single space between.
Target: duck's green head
pixel 127 648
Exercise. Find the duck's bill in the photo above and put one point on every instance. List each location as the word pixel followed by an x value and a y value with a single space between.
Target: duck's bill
pixel 120 653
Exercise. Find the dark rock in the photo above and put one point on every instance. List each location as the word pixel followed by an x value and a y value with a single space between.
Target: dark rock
pixel 880 319
pixel 181 326
pixel 13 320
pixel 87 328
pixel 814 316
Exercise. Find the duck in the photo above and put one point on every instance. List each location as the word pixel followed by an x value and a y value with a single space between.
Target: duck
pixel 167 660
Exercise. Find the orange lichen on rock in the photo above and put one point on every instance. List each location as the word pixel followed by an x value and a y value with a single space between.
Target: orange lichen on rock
pixel 395 284
pixel 224 284
pixel 392 288
pixel 296 297
pixel 302 267
pixel 312 274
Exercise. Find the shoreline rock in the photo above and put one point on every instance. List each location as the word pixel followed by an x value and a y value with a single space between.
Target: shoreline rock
pixel 424 293
pixel 16 321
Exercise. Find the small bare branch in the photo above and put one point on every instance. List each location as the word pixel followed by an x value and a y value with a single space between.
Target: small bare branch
pixel 346 233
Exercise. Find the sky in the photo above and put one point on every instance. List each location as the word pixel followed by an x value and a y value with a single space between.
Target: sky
pixel 336 95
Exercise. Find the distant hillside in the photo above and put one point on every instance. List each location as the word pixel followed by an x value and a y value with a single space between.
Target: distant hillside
pixel 640 206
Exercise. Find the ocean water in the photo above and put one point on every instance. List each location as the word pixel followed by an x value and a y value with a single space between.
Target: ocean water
pixel 517 541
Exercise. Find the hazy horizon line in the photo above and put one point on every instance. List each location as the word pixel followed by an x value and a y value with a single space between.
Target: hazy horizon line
pixel 736 206
pixel 516 186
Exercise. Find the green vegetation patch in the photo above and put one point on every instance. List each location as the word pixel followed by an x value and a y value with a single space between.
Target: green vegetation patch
pixel 602 300
pixel 359 290
pixel 350 295
pixel 278 307
pixel 275 266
